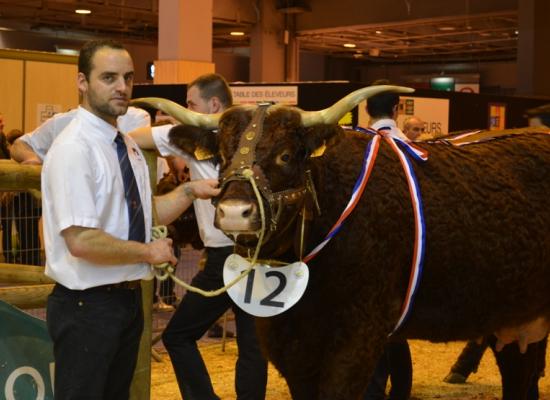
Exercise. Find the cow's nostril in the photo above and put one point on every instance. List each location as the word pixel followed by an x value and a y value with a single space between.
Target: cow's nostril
pixel 246 213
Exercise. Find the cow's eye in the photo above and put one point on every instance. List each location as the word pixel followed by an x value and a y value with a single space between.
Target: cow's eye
pixel 283 158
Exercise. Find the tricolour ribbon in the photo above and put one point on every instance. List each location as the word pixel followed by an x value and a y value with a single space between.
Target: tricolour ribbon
pixel 369 159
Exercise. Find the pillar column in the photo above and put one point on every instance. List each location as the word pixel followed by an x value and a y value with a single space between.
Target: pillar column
pixel 533 54
pixel 267 49
pixel 292 50
pixel 185 40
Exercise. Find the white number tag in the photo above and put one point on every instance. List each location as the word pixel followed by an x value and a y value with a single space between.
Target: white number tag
pixel 266 291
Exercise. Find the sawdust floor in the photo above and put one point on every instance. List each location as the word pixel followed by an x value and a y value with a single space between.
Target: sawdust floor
pixel 431 362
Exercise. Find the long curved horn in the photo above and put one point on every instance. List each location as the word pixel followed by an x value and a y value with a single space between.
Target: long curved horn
pixel 182 114
pixel 333 114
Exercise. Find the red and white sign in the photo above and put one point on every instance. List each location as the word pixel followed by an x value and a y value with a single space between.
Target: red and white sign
pixel 467 87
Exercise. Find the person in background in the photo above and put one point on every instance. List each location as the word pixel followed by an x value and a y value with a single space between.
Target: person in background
pixel 22 211
pixel 4 152
pixel 207 94
pixel 413 128
pixel 32 147
pixel 6 204
pixel 383 109
pixel 97 227
pixel 396 360
pixel 539 116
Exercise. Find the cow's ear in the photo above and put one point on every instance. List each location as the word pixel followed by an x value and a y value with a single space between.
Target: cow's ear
pixel 200 143
pixel 318 137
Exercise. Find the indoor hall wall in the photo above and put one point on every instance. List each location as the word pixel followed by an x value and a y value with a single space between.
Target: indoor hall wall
pixel 34 41
pixel 11 87
pixel 495 77
pixel 233 67
pixel 312 67
pixel 34 86
pixel 141 55
pixel 48 83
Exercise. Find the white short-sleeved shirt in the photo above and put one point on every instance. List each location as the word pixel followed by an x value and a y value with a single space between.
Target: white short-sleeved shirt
pixel 82 186
pixel 204 210
pixel 42 137
pixel 394 131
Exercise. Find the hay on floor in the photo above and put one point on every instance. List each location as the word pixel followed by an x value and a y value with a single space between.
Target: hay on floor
pixel 431 362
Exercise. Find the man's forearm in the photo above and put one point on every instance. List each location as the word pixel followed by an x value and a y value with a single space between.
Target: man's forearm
pixel 98 247
pixel 171 205
pixel 143 137
pixel 23 153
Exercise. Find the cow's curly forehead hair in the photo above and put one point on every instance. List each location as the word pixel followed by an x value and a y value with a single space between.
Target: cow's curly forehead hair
pixel 235 120
pixel 88 51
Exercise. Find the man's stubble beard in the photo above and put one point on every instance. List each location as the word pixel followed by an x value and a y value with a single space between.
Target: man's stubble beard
pixel 106 109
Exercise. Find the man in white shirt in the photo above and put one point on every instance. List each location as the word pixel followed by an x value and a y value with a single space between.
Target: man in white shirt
pixel 97 220
pixel 383 109
pixel 208 94
pixel 396 360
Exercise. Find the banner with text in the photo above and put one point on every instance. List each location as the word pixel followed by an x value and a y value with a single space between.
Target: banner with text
pixel 26 356
pixel 257 94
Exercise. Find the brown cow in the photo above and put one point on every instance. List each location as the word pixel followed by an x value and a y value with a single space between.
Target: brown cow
pixel 486 262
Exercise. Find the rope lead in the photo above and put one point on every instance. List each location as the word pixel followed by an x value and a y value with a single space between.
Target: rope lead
pixel 166 270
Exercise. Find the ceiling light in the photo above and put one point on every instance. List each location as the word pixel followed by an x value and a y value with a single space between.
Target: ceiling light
pixel 447 28
pixel 349 45
pixel 236 33
pixel 83 11
pixel 378 32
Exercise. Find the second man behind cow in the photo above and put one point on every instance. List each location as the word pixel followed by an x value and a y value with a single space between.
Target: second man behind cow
pixel 208 94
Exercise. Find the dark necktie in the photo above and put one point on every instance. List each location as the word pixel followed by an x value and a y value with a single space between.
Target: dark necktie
pixel 131 192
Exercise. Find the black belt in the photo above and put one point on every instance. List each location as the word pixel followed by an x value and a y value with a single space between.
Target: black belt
pixel 126 285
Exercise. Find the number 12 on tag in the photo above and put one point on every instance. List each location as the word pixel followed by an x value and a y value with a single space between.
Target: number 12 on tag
pixel 268 300
pixel 266 291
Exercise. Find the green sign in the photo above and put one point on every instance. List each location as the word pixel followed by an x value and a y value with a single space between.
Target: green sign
pixel 26 356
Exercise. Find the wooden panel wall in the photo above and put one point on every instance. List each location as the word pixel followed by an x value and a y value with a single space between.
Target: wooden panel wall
pixel 11 88
pixel 180 71
pixel 48 83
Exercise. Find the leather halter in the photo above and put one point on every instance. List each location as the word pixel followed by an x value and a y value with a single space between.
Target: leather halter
pixel 243 164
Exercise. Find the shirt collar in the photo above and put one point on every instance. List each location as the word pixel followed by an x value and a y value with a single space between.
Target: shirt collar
pixel 101 128
pixel 384 122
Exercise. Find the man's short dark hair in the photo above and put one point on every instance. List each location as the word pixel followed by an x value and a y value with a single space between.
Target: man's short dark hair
pixel 382 105
pixel 211 85
pixel 88 51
